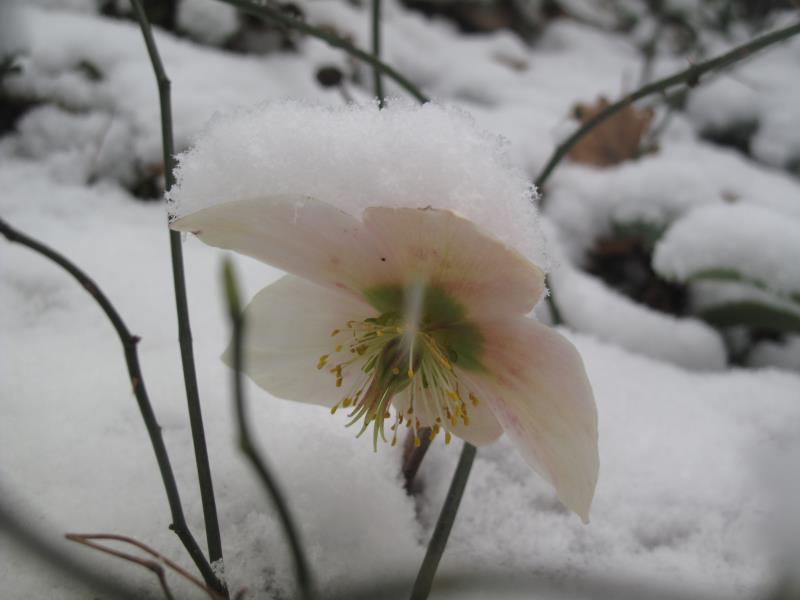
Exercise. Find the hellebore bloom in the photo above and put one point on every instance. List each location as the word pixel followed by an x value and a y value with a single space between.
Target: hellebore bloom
pixel 416 309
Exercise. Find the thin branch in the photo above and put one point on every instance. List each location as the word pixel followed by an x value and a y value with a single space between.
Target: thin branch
pixel 422 586
pixel 150 565
pixel 41 548
pixel 129 345
pixel 88 539
pixel 376 49
pixel 277 15
pixel 247 445
pixel 213 536
pixel 689 77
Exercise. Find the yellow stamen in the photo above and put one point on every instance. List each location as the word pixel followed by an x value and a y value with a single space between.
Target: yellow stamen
pixel 447 437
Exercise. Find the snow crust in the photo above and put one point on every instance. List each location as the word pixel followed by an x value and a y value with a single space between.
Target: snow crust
pixel 356 157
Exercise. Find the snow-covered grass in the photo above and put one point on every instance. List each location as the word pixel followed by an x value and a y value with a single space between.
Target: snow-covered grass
pixel 695 466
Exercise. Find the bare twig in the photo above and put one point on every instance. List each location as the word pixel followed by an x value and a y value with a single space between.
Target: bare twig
pixel 213 536
pixel 689 77
pixel 247 445
pixel 376 49
pixel 129 346
pixel 88 539
pixel 150 565
pixel 41 548
pixel 275 14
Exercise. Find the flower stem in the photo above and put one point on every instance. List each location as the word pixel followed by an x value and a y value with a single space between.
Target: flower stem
pixel 689 77
pixel 376 50
pixel 413 455
pixel 275 14
pixel 129 346
pixel 424 581
pixel 213 536
pixel 247 445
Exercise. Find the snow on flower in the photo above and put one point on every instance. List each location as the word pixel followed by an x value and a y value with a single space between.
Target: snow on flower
pixel 404 303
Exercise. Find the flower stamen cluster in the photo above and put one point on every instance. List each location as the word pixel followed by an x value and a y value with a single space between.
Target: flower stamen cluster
pixel 393 357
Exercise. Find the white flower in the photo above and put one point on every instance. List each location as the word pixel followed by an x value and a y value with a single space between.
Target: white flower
pixel 415 309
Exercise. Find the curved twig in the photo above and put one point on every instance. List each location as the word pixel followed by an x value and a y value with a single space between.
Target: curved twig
pixel 129 346
pixel 88 539
pixel 689 77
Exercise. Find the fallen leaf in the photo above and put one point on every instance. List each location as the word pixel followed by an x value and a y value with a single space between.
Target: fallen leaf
pixel 613 141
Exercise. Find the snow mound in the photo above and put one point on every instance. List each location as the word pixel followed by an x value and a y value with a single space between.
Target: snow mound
pixel 357 157
pixel 733 241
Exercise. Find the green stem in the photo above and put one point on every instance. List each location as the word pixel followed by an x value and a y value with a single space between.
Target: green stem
pixel 248 447
pixel 129 346
pixel 422 586
pixel 213 536
pixel 277 15
pixel 689 77
pixel 376 49
pixel 555 312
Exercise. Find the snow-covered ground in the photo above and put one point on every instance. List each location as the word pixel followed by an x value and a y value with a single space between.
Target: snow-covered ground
pixel 697 458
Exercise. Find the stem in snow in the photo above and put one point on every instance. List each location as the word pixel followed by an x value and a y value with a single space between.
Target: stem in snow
pixel 213 536
pixel 413 455
pixel 424 581
pixel 247 445
pixel 129 346
pixel 376 50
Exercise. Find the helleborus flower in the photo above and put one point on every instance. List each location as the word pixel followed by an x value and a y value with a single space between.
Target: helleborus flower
pixel 413 309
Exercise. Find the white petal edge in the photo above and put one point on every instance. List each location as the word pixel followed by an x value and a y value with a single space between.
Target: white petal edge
pixel 446 249
pixel 540 393
pixel 298 234
pixel 288 327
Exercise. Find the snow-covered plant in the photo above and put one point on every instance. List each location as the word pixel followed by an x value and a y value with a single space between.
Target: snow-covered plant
pixel 737 258
pixel 411 248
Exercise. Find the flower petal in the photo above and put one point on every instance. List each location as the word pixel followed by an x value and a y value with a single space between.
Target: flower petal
pixel 445 249
pixel 288 327
pixel 543 399
pixel 298 234
pixel 483 428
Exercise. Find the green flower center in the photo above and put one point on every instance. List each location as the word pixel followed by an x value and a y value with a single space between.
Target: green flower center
pixel 414 346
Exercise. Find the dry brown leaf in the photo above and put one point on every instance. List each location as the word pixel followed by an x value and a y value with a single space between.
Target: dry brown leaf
pixel 615 140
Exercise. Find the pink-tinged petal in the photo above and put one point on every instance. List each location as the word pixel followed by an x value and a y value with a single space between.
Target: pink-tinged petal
pixel 288 329
pixel 539 392
pixel 442 248
pixel 298 234
pixel 483 427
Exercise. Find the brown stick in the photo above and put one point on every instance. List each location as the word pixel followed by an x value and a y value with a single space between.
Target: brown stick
pixel 87 539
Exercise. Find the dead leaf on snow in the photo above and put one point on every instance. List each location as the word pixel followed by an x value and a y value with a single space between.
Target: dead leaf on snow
pixel 615 140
